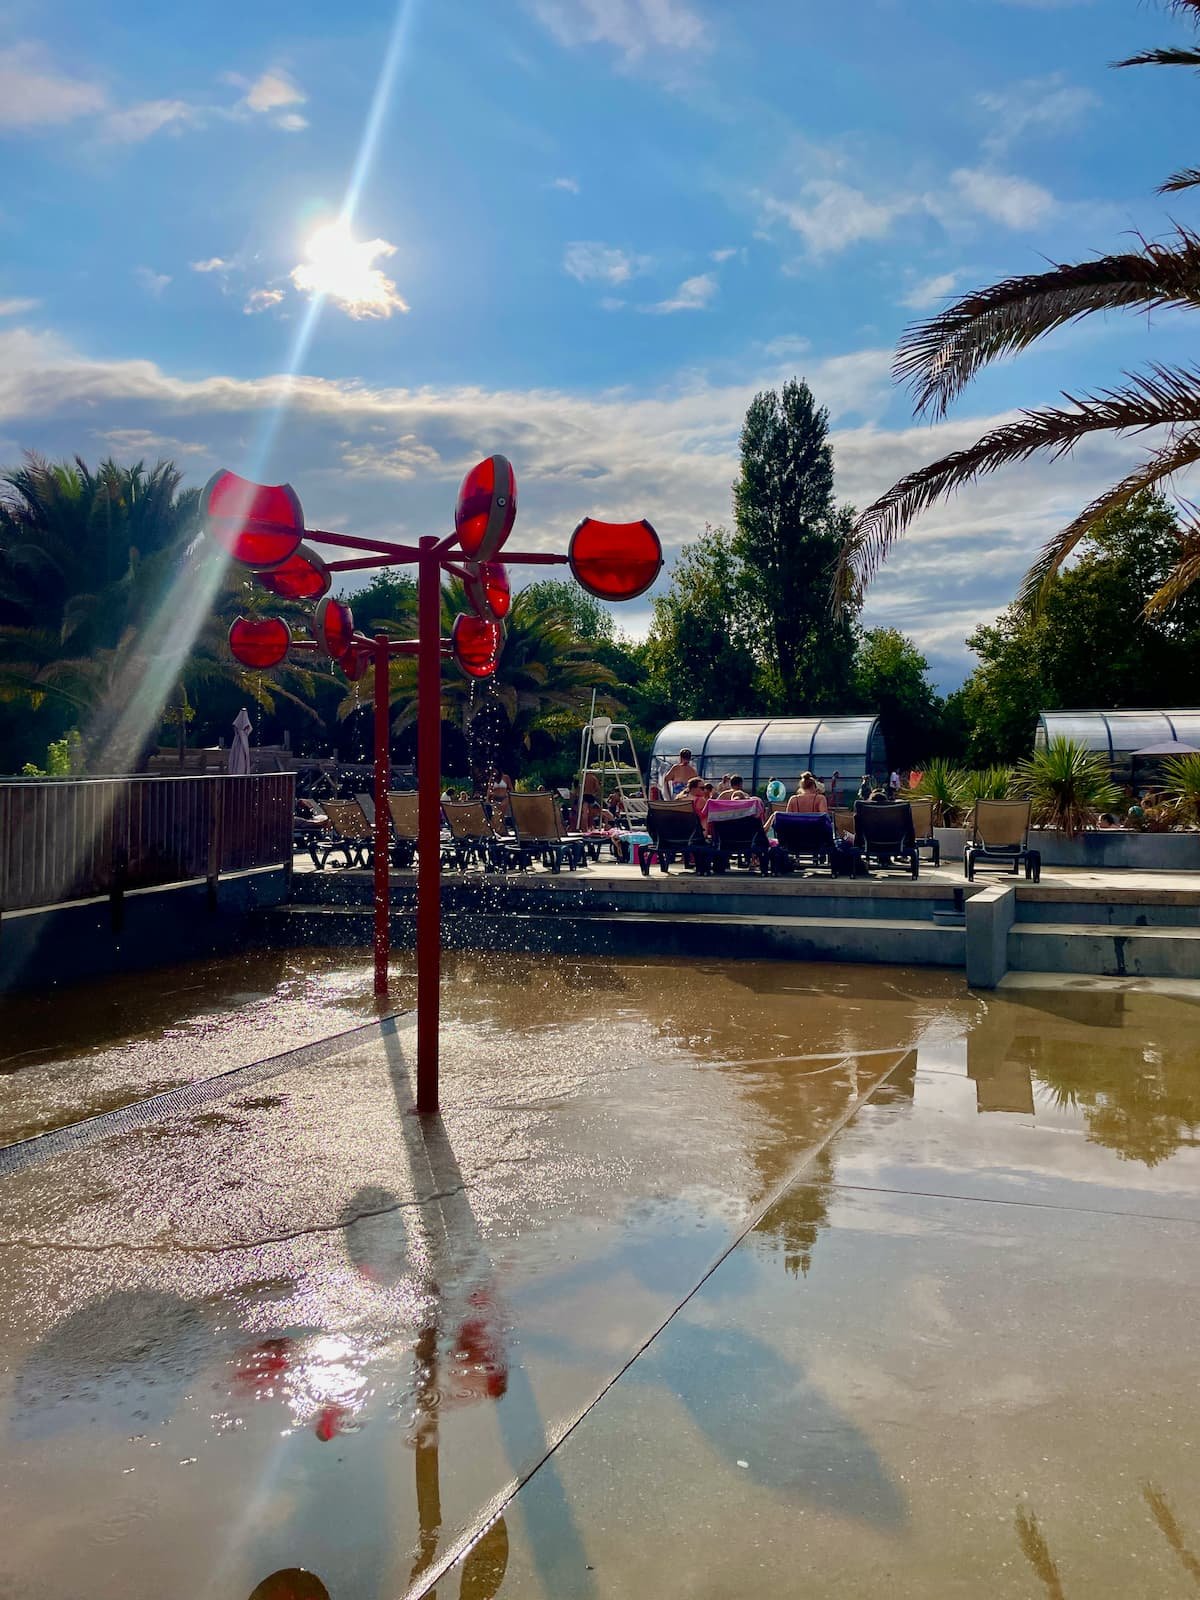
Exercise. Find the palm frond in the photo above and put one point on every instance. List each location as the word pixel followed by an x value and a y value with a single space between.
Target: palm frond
pixel 1186 178
pixel 1161 396
pixel 938 357
pixel 1170 57
pixel 1178 453
pixel 1184 574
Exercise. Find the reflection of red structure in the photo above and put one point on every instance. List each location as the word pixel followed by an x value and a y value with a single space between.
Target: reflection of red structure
pixel 262 526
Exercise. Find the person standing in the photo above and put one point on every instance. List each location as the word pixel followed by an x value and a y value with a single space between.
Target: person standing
pixel 680 775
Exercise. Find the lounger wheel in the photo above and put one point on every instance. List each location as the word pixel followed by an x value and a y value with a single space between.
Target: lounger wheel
pixel 915 864
pixel 937 854
pixel 969 866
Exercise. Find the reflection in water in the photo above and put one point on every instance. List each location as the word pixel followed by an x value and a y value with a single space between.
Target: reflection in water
pixel 1135 1081
pixel 291 1583
pixel 1037 1552
pixel 1168 1525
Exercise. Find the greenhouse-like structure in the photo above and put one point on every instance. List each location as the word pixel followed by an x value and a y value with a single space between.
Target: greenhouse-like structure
pixel 758 749
pixel 1119 735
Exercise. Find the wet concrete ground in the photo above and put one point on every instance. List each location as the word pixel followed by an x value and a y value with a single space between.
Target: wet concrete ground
pixel 926 1266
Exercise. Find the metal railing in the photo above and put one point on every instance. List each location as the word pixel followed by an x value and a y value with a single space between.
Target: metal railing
pixel 76 838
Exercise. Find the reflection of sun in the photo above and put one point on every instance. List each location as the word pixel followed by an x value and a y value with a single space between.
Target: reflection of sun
pixel 342 267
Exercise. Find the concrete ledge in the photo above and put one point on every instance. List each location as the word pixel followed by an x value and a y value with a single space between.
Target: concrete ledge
pixel 893 941
pixel 1116 951
pixel 61 945
pixel 989 916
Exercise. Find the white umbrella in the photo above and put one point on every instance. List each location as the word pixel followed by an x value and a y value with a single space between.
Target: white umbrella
pixel 239 750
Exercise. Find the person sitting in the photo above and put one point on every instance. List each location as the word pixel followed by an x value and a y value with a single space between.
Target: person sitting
pixel 731 787
pixel 1107 819
pixel 808 799
pixel 695 793
pixel 680 775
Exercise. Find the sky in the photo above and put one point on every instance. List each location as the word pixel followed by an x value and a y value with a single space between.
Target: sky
pixel 356 248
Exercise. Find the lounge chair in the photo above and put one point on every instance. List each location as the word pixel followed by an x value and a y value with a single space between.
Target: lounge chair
pixel 473 838
pixel 883 831
pixel 843 821
pixel 922 813
pixel 674 830
pixel 999 836
pixel 402 806
pixel 537 826
pixel 741 837
pixel 804 834
pixel 348 830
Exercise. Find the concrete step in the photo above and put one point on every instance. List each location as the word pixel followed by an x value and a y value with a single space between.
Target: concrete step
pixel 1115 950
pixel 901 940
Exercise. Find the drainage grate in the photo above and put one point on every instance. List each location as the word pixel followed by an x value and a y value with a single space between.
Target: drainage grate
pixel 27 1153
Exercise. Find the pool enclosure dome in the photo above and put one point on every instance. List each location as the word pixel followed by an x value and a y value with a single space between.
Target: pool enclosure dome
pixel 761 748
pixel 1118 735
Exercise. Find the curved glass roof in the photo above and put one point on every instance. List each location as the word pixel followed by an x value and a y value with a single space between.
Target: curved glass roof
pixel 1117 734
pixel 759 749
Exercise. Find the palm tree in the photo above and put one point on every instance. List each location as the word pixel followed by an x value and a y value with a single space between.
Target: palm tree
pixel 545 666
pixel 939 357
pixel 108 604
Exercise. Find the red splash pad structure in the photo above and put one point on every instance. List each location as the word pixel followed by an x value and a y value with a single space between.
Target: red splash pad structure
pixel 261 526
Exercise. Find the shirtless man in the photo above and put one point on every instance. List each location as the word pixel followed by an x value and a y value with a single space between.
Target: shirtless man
pixel 681 774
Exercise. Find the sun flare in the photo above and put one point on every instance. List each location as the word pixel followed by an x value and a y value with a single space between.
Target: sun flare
pixel 342 268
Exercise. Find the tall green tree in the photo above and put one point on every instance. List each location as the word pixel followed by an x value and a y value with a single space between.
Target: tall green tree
pixel 698 654
pixel 1091 644
pixel 788 535
pixel 939 357
pixel 891 677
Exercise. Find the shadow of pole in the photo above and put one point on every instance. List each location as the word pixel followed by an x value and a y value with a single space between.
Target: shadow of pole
pixel 457 1253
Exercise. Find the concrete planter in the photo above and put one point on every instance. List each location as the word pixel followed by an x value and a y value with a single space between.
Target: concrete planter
pixel 1107 849
pixel 1099 850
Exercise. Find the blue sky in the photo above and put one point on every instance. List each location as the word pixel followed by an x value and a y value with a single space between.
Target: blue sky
pixel 583 232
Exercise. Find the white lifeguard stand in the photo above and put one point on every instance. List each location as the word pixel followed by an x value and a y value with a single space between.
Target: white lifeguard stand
pixel 602 747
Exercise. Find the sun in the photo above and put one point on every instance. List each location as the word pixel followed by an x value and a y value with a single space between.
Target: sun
pixel 342 268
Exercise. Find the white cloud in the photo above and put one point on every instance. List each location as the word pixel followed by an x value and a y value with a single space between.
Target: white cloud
pixel 669 455
pixel 612 302
pixel 588 261
pixel 17 306
pixel 832 216
pixel 36 94
pixel 343 269
pixel 135 443
pixel 723 255
pixel 567 185
pixel 137 122
pixel 930 292
pixel 1034 106
pixel 1015 202
pixel 213 264
pixel 262 300
pixel 636 29
pixel 153 282
pixel 269 95
pixel 693 294
pixel 402 460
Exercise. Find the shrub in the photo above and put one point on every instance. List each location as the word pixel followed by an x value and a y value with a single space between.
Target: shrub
pixel 1068 784
pixel 941 783
pixel 1182 774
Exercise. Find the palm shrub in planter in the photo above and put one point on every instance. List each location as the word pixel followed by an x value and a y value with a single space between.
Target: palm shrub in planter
pixel 1183 785
pixel 941 783
pixel 1068 784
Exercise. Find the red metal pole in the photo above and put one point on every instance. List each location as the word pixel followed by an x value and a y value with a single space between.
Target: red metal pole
pixel 429 820
pixel 382 774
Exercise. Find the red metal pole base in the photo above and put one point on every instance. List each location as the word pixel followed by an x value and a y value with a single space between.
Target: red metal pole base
pixel 429 821
pixel 382 774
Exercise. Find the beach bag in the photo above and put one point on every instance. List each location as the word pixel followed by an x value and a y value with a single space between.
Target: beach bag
pixel 846 861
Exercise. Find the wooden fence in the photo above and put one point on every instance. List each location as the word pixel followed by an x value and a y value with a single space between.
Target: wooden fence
pixel 72 839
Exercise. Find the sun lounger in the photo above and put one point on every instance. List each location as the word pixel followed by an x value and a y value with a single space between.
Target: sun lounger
pixel 402 808
pixel 473 837
pixel 885 835
pixel 999 836
pixel 537 825
pixel 738 833
pixel 674 830
pixel 348 831
pixel 804 835
pixel 922 814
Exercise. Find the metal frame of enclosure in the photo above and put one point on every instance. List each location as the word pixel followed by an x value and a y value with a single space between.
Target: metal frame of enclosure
pixel 77 838
pixel 762 748
pixel 1115 735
